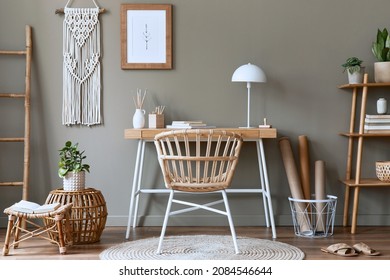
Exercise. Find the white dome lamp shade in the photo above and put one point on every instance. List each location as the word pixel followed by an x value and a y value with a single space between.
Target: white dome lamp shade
pixel 249 73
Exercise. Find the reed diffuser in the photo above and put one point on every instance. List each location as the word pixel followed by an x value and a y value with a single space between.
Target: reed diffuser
pixel 139 115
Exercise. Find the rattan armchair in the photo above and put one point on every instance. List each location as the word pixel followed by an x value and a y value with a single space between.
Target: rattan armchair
pixel 197 161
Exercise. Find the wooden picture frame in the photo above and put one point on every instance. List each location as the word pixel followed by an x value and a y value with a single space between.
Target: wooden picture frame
pixel 146 36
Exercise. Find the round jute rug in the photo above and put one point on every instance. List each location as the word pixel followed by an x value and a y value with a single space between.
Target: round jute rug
pixel 203 247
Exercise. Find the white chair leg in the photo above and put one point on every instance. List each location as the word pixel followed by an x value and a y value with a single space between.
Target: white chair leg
pixel 232 230
pixel 167 213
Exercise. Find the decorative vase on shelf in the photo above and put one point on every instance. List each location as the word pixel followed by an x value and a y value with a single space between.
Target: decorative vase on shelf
pixel 74 181
pixel 139 118
pixel 381 106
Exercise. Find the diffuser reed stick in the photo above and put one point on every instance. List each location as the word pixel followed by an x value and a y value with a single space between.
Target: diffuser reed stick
pixel 139 99
pixel 159 110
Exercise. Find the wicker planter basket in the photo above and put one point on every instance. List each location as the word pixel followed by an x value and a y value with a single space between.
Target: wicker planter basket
pixel 383 170
pixel 88 215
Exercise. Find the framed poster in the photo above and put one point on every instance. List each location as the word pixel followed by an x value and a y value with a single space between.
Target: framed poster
pixel 146 36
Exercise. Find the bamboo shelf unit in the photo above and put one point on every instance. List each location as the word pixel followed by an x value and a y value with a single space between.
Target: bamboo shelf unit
pixel 27 53
pixel 353 180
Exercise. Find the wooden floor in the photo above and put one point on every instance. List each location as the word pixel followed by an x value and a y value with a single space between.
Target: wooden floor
pixel 39 249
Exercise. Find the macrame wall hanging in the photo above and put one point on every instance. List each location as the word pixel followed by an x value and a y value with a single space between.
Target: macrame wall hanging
pixel 81 73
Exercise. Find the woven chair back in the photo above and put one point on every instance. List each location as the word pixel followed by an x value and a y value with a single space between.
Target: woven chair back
pixel 198 160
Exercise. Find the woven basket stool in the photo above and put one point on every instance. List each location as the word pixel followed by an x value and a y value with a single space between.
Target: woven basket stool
pixel 89 213
pixel 56 227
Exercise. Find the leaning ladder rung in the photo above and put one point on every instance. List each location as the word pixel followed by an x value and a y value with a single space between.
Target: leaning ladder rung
pixel 13 52
pixel 14 139
pixel 11 184
pixel 13 95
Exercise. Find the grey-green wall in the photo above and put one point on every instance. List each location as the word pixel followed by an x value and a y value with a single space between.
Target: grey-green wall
pixel 299 44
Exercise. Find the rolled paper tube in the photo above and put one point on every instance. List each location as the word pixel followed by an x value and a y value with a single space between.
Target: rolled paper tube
pixel 304 165
pixel 295 184
pixel 320 194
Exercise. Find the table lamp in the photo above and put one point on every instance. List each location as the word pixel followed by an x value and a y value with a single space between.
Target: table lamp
pixel 249 73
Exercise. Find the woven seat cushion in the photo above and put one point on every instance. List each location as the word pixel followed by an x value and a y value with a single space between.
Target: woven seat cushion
pixel 60 210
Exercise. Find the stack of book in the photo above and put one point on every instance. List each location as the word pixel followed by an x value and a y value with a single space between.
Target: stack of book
pixel 189 125
pixel 377 124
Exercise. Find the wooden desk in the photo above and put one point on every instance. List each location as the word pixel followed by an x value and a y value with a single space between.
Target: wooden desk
pixel 249 134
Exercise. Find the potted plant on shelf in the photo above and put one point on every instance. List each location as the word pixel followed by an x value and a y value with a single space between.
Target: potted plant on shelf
pixel 381 50
pixel 71 167
pixel 355 70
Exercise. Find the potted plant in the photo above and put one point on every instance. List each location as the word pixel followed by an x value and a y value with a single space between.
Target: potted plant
pixel 355 70
pixel 381 50
pixel 71 167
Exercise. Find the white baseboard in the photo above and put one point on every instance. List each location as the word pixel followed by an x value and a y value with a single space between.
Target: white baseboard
pixel 217 220
pixel 255 220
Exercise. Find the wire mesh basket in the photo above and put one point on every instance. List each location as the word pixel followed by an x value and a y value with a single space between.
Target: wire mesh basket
pixel 313 218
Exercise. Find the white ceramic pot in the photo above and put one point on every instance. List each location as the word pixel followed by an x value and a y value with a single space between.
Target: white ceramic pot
pixel 356 77
pixel 74 181
pixel 139 118
pixel 382 72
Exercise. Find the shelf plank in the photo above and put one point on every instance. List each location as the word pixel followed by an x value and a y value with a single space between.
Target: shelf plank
pixel 364 85
pixel 366 182
pixel 355 134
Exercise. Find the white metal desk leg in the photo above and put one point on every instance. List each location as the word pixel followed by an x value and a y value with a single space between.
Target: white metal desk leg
pixel 262 184
pixel 139 178
pixel 265 173
pixel 133 192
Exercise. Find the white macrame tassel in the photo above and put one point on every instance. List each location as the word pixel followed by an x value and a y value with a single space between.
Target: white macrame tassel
pixel 81 73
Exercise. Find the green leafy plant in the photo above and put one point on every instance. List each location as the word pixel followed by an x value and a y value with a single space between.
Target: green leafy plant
pixel 381 48
pixel 71 159
pixel 352 65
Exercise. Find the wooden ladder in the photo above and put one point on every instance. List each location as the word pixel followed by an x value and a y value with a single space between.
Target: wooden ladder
pixel 26 96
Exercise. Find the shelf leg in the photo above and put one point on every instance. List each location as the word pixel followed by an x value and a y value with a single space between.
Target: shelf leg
pixel 350 156
pixel 359 155
pixel 346 206
pixel 355 210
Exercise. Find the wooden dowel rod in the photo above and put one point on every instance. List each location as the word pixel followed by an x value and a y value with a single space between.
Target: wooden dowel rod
pixel 12 95
pixel 11 184
pixel 12 139
pixel 13 52
pixel 61 11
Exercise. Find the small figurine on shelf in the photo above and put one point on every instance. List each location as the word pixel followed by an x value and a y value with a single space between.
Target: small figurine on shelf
pixel 265 125
pixel 139 115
